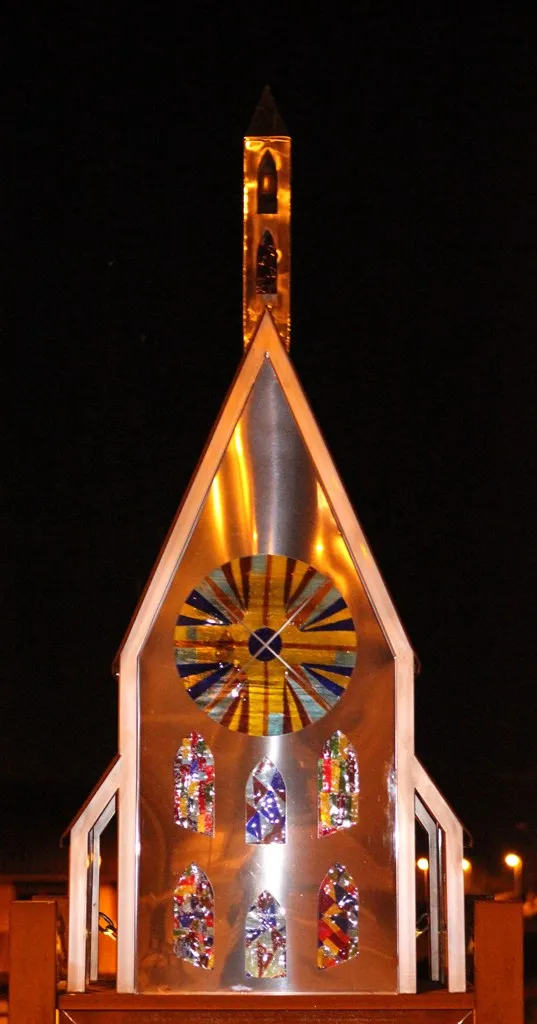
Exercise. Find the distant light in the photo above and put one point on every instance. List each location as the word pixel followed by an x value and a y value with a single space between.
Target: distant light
pixel 422 864
pixel 466 866
pixel 513 860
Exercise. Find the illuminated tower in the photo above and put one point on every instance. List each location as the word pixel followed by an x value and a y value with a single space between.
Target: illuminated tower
pixel 266 783
pixel 267 221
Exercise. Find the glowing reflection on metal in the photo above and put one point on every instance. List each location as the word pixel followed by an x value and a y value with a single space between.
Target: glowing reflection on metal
pixel 255 224
pixel 244 477
pixel 218 513
pixel 289 515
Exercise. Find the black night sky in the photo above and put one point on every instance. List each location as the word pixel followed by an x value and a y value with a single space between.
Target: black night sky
pixel 414 312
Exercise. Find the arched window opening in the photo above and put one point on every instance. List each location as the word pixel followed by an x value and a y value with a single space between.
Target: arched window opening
pixel 337 785
pixel 265 940
pixel 337 930
pixel 265 804
pixel 193 918
pixel 193 779
pixel 266 280
pixel 267 184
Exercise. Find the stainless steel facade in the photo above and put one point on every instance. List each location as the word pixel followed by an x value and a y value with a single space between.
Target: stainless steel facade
pixel 266 498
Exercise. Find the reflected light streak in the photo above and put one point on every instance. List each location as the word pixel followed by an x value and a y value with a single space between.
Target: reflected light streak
pixel 243 473
pixel 273 856
pixel 339 548
pixel 254 144
pixel 323 521
pixel 343 553
pixel 322 503
pixel 218 508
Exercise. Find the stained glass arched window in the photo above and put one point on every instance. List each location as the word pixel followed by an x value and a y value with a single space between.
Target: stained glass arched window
pixel 265 804
pixel 193 918
pixel 337 785
pixel 266 280
pixel 338 918
pixel 193 779
pixel 266 942
pixel 267 184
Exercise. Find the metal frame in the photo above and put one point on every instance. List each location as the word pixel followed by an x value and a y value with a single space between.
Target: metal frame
pixel 435 888
pixel 441 813
pixel 90 818
pixel 94 875
pixel 409 774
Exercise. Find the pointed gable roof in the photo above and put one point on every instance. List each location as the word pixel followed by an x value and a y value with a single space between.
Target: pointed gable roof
pixel 266 344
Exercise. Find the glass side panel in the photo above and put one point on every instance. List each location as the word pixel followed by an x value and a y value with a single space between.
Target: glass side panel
pixel 266 500
pixel 265 804
pixel 338 918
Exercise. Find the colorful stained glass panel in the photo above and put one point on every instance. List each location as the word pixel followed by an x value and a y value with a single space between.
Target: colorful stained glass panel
pixel 338 918
pixel 266 943
pixel 193 918
pixel 265 804
pixel 337 785
pixel 193 777
pixel 265 645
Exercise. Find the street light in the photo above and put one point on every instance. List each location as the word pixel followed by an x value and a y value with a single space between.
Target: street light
pixel 466 865
pixel 515 862
pixel 422 865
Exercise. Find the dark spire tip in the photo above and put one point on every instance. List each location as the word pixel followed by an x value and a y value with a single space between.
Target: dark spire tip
pixel 267 119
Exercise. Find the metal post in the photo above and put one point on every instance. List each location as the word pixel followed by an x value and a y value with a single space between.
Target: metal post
pixel 499 981
pixel 32 968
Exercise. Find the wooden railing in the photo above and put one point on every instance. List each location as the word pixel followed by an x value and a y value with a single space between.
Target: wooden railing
pixel 497 997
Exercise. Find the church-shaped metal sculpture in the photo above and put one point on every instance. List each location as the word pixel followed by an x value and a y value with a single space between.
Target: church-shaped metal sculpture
pixel 266 783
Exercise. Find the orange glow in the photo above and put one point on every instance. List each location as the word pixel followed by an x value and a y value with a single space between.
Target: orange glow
pixel 322 503
pixel 279 224
pixel 422 864
pixel 238 442
pixel 243 473
pixel 513 860
pixel 217 506
pixel 466 866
